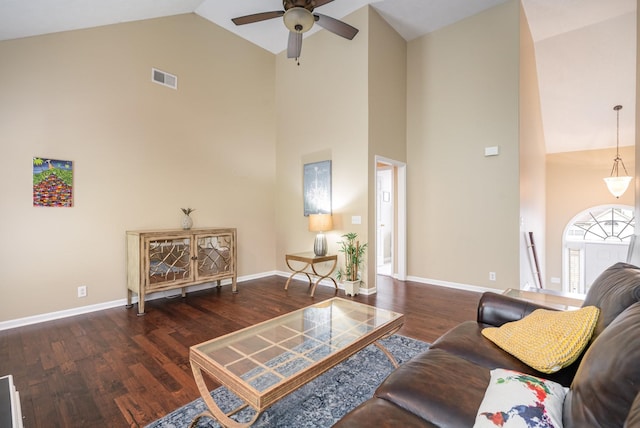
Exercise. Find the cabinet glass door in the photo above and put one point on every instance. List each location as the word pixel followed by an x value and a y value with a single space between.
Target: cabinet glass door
pixel 169 261
pixel 215 255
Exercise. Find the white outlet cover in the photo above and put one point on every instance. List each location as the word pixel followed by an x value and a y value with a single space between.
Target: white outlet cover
pixel 356 219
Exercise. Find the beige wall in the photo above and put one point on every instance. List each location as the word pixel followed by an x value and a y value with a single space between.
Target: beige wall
pixel 322 114
pixel 387 110
pixel 232 141
pixel 532 162
pixel 347 113
pixel 140 151
pixel 463 214
pixel 568 175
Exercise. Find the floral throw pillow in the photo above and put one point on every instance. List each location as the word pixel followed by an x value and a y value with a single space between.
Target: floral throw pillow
pixel 515 399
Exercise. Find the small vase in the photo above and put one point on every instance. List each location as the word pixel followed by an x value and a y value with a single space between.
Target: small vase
pixel 187 222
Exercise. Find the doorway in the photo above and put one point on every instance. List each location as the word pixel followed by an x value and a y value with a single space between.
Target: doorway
pixel 384 219
pixel 390 218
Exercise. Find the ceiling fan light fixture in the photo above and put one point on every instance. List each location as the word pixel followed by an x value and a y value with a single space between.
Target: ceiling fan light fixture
pixel 298 19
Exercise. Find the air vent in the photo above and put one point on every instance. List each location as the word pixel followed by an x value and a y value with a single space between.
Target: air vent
pixel 164 78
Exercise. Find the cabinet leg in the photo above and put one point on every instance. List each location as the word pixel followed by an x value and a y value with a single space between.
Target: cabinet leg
pixel 234 285
pixel 129 305
pixel 140 306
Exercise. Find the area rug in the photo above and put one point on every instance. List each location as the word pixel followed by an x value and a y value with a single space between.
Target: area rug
pixel 321 402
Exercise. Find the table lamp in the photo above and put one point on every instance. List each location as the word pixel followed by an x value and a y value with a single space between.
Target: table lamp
pixel 320 223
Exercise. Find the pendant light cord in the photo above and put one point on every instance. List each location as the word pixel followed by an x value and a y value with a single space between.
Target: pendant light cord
pixel 618 158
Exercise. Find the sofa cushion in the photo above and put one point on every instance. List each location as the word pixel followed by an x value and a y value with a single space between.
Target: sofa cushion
pixel 513 398
pixel 381 414
pixel 613 291
pixel 546 340
pixel 608 379
pixel 466 341
pixel 438 387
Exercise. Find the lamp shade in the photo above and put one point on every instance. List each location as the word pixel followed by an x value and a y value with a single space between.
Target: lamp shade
pixel 298 19
pixel 320 222
pixel 617 185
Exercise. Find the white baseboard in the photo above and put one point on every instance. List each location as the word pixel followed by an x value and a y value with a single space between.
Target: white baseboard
pixel 373 290
pixel 35 319
pixel 368 291
pixel 458 286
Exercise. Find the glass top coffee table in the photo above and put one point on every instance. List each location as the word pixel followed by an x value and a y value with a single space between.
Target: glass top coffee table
pixel 263 363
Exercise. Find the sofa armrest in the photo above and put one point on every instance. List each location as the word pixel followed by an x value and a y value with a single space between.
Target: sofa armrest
pixel 497 309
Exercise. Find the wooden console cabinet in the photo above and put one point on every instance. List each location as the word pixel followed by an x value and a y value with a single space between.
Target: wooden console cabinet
pixel 160 260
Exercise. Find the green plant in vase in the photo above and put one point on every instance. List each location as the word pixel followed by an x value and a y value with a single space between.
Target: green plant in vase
pixel 353 259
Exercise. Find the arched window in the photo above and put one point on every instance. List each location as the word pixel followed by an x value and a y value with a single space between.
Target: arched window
pixel 593 240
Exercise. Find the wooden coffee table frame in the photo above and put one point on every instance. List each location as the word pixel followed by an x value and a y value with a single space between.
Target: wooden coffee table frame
pixel 353 326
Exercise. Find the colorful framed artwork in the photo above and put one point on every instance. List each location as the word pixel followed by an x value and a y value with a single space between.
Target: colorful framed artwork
pixel 52 183
pixel 317 188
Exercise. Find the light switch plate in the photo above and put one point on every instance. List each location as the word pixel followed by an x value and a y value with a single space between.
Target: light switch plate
pixel 356 219
pixel 492 151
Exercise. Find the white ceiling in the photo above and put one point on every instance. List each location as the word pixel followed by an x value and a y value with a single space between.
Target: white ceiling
pixel 585 49
pixel 586 58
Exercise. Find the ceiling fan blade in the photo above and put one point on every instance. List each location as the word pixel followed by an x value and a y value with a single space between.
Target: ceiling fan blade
pixel 322 2
pixel 335 26
pixel 257 17
pixel 294 47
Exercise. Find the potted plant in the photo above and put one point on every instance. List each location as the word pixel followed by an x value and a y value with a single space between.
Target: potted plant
pixel 353 259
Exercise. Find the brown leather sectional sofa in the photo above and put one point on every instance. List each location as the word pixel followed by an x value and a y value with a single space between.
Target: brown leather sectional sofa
pixel 444 386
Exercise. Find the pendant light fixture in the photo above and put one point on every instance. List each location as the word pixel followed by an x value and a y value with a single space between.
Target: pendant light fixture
pixel 618 184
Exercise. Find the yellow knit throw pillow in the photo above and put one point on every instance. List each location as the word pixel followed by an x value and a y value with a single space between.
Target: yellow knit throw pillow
pixel 546 340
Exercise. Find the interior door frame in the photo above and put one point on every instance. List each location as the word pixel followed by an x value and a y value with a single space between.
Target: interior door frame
pixel 399 217
pixel 384 178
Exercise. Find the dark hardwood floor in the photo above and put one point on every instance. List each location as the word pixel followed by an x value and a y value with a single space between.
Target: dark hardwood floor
pixel 114 369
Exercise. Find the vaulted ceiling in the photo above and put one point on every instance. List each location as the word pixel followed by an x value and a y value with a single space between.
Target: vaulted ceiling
pixel 585 49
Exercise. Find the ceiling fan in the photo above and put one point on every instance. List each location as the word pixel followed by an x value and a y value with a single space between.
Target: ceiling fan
pixel 298 17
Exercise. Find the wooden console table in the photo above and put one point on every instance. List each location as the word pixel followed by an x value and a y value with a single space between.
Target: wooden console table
pixel 160 260
pixel 310 260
